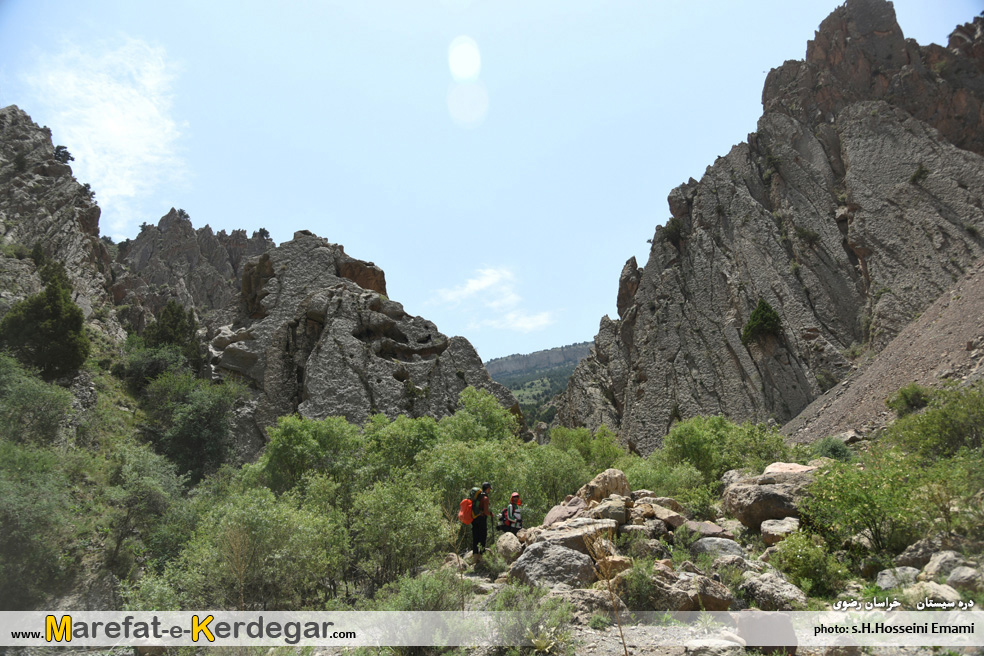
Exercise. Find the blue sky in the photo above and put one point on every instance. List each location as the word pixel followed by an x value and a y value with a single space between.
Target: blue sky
pixel 500 160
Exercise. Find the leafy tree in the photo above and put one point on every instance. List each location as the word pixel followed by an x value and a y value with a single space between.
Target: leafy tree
pixel 876 501
pixel 46 330
pixel 299 445
pixel 62 155
pixel 714 445
pixel 763 321
pixel 190 420
pixel 599 450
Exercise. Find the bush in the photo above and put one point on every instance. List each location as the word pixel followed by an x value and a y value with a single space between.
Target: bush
pixel 30 410
pixel 599 451
pixel 910 398
pixel 831 447
pixel 144 364
pixel 176 327
pixel 764 321
pixel 663 478
pixel 298 446
pixel 190 420
pixel 876 502
pixel 804 558
pixel 46 330
pixel 713 445
pixel 396 530
pixel 673 232
pixel 435 590
pixel 37 515
pixel 953 421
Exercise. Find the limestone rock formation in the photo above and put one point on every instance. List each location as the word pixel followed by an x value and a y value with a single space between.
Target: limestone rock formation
pixel 198 268
pixel 856 203
pixel 315 333
pixel 42 203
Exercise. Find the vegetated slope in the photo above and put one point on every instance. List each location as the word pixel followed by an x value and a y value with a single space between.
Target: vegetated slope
pixel 855 204
pixel 945 344
pixel 537 378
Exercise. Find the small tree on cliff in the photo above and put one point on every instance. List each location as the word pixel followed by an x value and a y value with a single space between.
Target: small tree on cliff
pixel 47 330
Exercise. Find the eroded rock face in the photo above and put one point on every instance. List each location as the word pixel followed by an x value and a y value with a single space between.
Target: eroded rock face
pixel 198 268
pixel 42 203
pixel 856 203
pixel 309 339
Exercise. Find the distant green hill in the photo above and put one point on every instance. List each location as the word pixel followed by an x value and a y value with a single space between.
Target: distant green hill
pixel 536 378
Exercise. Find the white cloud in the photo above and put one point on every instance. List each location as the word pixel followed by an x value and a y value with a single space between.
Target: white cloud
pixel 490 299
pixel 112 108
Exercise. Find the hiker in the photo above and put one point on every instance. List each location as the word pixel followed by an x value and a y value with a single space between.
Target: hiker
pixel 511 516
pixel 480 526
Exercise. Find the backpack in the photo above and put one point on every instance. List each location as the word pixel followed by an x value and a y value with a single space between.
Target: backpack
pixel 468 504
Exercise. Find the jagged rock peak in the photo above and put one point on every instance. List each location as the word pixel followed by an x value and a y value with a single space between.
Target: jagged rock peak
pixel 860 53
pixel 198 268
pixel 855 204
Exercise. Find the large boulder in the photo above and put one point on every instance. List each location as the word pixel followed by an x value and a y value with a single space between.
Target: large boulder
pixel 896 577
pixel 604 485
pixel 571 508
pixel 508 546
pixel 775 531
pixel 716 547
pixel 549 564
pixel 576 533
pixel 588 603
pixel 940 565
pixel 771 592
pixel 770 496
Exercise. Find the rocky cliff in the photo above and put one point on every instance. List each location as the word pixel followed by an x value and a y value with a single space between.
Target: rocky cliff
pixel 305 326
pixel 198 268
pixel 855 204
pixel 42 203
pixel 315 333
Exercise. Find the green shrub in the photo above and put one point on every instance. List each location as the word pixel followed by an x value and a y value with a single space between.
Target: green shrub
pixel 144 364
pixel 435 590
pixel 37 515
pixel 46 330
pixel 190 420
pixel 176 327
pixel 30 409
pixel 673 232
pixel 831 447
pixel 804 558
pixel 636 587
pixel 919 175
pixel 398 526
pixel 663 478
pixel 807 236
pixel 953 421
pixel 713 445
pixel 599 450
pixel 910 398
pixel 764 321
pixel 299 445
pixel 875 502
pixel 543 616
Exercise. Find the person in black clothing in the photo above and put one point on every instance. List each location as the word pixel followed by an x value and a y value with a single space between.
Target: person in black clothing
pixel 480 526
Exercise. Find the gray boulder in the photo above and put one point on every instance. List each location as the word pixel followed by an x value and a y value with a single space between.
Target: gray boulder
pixel 894 578
pixel 549 564
pixel 771 592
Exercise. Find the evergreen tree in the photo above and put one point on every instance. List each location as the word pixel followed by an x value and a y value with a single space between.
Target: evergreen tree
pixel 177 327
pixel 46 330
